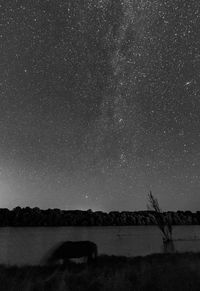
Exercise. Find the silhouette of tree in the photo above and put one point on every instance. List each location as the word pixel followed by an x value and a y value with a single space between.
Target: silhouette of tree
pixel 162 221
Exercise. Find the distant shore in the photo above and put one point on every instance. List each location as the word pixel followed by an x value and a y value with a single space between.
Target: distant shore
pixel 55 217
pixel 154 272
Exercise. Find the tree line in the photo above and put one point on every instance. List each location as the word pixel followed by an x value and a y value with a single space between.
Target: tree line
pixel 55 217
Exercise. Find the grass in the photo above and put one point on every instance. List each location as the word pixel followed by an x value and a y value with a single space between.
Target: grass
pixel 153 272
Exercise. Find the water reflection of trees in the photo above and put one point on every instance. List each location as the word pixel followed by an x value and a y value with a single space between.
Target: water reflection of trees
pixel 168 247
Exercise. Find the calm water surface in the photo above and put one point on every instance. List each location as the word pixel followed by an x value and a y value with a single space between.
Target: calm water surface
pixel 29 245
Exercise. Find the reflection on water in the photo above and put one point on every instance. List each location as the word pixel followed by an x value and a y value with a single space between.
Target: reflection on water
pixel 169 247
pixel 28 245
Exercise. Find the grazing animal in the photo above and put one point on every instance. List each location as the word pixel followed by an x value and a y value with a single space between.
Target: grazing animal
pixel 73 249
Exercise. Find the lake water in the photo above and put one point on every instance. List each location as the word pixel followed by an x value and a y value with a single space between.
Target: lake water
pixel 29 245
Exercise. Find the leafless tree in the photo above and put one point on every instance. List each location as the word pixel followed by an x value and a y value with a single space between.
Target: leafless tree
pixel 162 221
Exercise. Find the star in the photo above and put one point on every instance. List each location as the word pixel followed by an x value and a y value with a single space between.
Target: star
pixel 100 97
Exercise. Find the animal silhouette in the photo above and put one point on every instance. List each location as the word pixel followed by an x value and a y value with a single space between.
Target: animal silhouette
pixel 73 249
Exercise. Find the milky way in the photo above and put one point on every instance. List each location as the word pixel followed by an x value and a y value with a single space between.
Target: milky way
pixel 100 102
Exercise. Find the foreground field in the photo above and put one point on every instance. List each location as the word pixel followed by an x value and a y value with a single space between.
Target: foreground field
pixel 154 272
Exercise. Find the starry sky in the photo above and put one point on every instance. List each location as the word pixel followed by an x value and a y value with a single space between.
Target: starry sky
pixel 99 103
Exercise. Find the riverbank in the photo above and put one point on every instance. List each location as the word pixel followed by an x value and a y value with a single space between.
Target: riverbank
pixel 153 272
pixel 56 217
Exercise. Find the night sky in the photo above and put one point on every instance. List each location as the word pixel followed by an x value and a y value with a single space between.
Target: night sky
pixel 99 103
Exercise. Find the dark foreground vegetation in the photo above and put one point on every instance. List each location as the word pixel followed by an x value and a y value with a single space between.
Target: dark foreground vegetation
pixel 55 217
pixel 154 272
